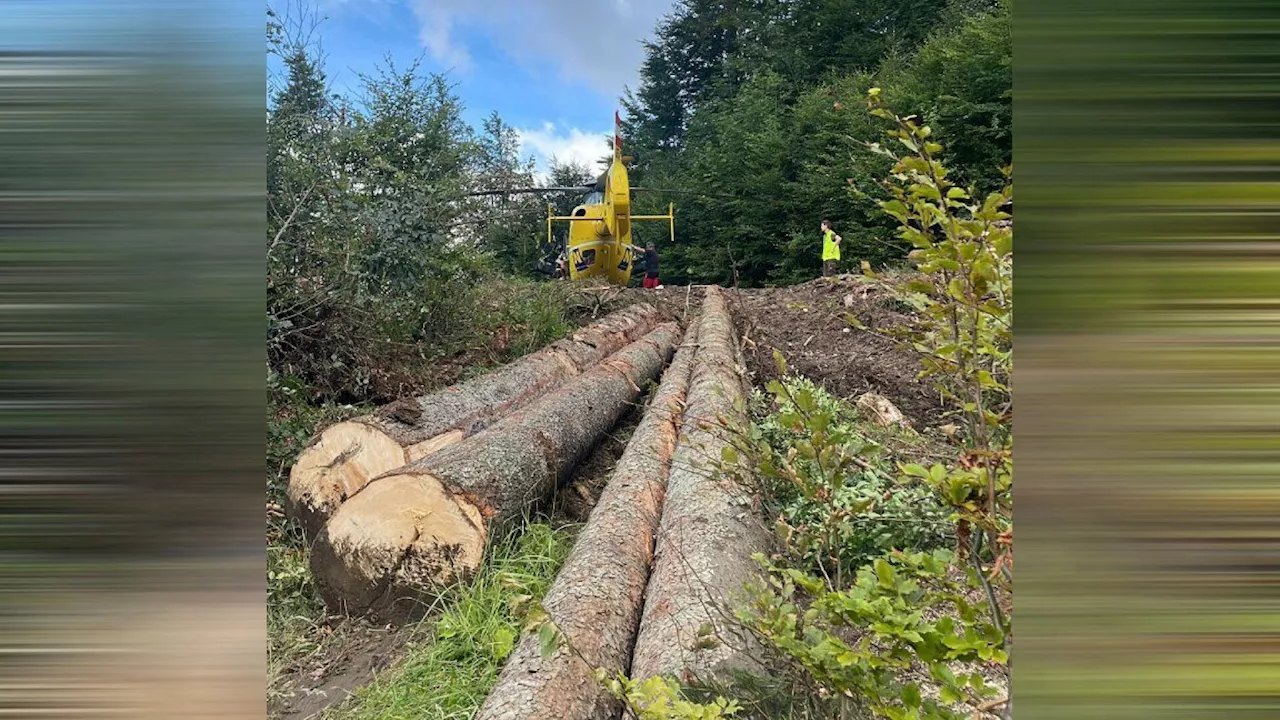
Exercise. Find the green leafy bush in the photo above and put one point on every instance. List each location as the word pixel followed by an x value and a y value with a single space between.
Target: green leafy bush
pixel 856 642
pixel 832 493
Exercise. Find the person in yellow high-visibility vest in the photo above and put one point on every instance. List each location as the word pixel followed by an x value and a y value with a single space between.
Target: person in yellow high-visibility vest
pixel 830 250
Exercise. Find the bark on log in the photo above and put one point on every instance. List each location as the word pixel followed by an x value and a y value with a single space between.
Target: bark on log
pixel 596 598
pixel 342 460
pixel 424 526
pixel 710 527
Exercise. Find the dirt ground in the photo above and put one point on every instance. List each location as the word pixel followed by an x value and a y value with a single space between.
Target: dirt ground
pixel 807 324
pixel 349 659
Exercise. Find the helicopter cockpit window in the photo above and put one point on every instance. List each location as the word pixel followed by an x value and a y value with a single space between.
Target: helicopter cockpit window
pixel 594 198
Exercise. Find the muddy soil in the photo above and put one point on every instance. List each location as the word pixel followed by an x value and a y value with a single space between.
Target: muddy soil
pixel 348 660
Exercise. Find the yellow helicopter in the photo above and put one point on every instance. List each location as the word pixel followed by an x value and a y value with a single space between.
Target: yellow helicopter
pixel 599 244
pixel 599 239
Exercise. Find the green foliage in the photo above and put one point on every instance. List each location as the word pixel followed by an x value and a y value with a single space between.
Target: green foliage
pixel 961 83
pixel 856 642
pixel 752 108
pixel 964 295
pixel 374 252
pixel 450 674
pixel 909 608
pixel 506 226
pixel 829 485
pixel 659 698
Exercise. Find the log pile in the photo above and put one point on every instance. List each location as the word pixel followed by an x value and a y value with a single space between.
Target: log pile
pixel 621 607
pixel 346 456
pixel 596 598
pixel 413 530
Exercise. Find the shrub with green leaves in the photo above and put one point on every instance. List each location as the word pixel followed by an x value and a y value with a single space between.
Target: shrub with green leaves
pixel 829 486
pixel 856 642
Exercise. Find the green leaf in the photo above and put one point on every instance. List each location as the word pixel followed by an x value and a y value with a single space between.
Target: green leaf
pixel 548 640
pixel 915 470
pixel 504 641
pixel 946 625
pixel 911 696
pixel 780 362
pixel 885 573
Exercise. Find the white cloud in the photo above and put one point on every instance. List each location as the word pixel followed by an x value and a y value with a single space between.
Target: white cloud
pixel 436 31
pixel 573 145
pixel 587 40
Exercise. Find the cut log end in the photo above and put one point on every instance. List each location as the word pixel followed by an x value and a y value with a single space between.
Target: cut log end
pixel 400 541
pixel 341 462
pixel 336 466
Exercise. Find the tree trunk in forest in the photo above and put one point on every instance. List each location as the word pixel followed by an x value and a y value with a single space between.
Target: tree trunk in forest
pixel 421 527
pixel 346 456
pixel 710 527
pixel 595 600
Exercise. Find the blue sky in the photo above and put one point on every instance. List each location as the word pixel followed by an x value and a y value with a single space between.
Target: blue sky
pixel 553 69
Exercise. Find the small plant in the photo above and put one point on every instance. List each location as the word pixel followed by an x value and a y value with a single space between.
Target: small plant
pixel 834 498
pixel 855 643
pixel 964 295
pixel 659 698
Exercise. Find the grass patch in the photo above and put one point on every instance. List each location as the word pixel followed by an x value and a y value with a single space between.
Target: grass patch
pixel 448 674
pixel 293 610
pixel 534 313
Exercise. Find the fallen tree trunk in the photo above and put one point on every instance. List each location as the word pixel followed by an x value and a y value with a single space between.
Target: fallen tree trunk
pixel 346 456
pixel 595 600
pixel 424 526
pixel 709 527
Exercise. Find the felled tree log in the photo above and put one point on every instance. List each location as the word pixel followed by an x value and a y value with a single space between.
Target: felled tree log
pixel 709 527
pixel 424 526
pixel 342 460
pixel 596 598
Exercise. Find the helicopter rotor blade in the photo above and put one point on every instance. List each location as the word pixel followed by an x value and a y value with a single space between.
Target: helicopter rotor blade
pixel 524 191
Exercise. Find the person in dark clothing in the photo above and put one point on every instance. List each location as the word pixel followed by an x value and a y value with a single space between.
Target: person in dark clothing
pixel 651 267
